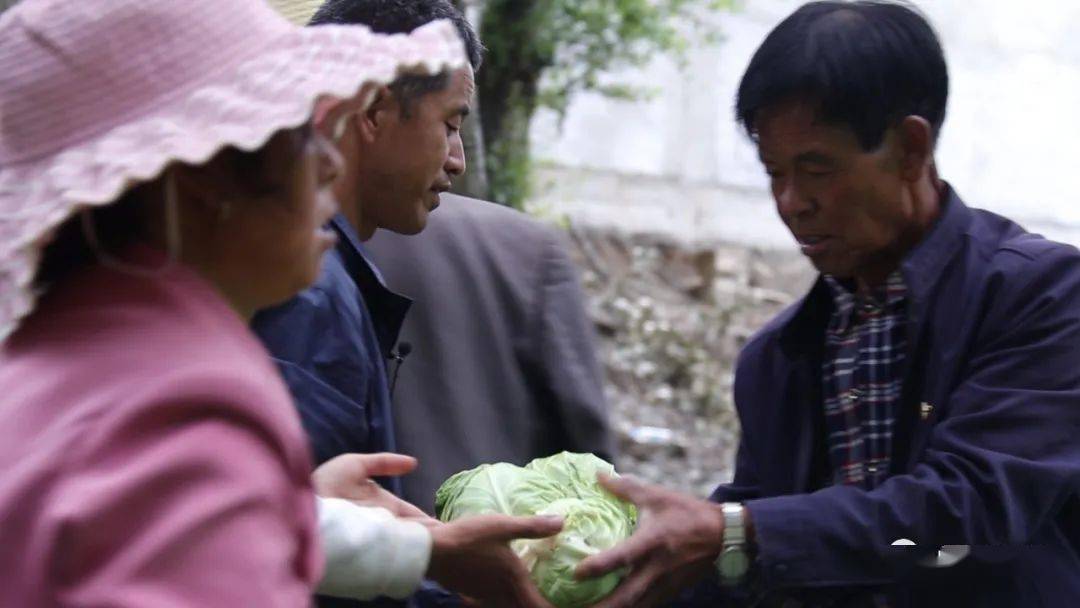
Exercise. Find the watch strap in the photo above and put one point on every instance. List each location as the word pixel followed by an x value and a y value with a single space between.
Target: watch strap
pixel 734 524
pixel 733 542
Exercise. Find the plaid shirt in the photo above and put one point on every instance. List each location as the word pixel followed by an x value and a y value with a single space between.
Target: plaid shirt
pixel 865 348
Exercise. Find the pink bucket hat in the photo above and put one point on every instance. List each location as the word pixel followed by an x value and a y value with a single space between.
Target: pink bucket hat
pixel 99 95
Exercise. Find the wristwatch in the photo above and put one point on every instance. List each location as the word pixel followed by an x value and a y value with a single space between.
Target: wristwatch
pixel 734 560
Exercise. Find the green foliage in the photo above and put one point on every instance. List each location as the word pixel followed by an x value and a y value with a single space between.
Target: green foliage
pixel 509 164
pixel 587 38
pixel 564 485
pixel 542 52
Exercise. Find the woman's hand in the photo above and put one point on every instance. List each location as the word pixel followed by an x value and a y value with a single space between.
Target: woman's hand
pixel 349 477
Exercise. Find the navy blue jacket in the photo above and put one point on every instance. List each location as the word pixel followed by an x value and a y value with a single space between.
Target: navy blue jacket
pixel 987 443
pixel 332 343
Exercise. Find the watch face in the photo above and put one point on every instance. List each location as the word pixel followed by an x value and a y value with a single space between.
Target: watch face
pixel 734 563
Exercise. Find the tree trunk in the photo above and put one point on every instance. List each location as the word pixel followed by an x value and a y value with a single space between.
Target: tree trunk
pixel 508 87
pixel 508 161
pixel 475 181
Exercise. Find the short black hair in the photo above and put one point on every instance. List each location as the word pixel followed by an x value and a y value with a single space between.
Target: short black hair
pixel 866 64
pixel 402 17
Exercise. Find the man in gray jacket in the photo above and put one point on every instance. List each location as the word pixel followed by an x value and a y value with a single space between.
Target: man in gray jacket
pixel 502 364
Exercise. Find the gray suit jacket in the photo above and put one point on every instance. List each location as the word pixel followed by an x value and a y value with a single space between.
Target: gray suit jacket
pixel 502 367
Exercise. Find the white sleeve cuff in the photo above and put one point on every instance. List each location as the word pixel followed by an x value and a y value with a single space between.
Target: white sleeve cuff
pixel 370 553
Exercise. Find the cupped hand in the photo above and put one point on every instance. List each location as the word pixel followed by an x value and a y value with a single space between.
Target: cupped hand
pixel 349 476
pixel 472 556
pixel 677 540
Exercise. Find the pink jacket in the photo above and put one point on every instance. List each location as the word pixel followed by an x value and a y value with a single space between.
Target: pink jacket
pixel 149 454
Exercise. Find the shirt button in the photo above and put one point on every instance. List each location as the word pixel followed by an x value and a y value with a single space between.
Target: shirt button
pixel 925 410
pixel 872 469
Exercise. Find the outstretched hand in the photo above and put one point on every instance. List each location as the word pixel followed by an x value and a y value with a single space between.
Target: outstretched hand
pixel 472 556
pixel 349 476
pixel 676 543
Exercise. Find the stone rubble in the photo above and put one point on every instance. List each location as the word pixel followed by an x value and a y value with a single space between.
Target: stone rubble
pixel 671 320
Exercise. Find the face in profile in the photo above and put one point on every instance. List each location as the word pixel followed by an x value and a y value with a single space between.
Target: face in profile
pixel 275 241
pixel 415 156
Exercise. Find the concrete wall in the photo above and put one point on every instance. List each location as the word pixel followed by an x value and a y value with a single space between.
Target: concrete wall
pixel 1007 143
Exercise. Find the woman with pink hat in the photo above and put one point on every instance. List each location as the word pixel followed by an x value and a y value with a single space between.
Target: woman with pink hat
pixel 160 181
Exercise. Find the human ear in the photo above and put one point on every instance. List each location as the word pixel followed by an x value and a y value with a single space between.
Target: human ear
pixel 209 190
pixel 372 120
pixel 915 137
pixel 329 116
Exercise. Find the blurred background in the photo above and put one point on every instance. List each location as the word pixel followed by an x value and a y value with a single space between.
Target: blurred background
pixel 613 119
pixel 1007 143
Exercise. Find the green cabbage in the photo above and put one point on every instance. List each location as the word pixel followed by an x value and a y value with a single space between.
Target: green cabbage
pixel 563 485
pixel 494 488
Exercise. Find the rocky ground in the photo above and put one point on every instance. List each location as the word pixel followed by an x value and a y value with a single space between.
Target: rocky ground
pixel 671 321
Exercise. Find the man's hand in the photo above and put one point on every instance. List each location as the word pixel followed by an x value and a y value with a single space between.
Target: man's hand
pixel 349 477
pixel 472 556
pixel 676 543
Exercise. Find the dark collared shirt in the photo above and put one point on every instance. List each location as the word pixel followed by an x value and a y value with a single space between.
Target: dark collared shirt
pixel 331 343
pixel 862 376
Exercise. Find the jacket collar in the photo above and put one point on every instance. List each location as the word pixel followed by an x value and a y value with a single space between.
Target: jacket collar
pixel 800 331
pixel 923 265
pixel 387 308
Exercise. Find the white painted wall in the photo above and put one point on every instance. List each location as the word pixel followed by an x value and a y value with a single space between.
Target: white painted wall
pixel 1010 141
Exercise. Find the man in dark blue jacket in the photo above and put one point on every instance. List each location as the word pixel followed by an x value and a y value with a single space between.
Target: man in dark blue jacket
pixel 333 341
pixel 910 428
